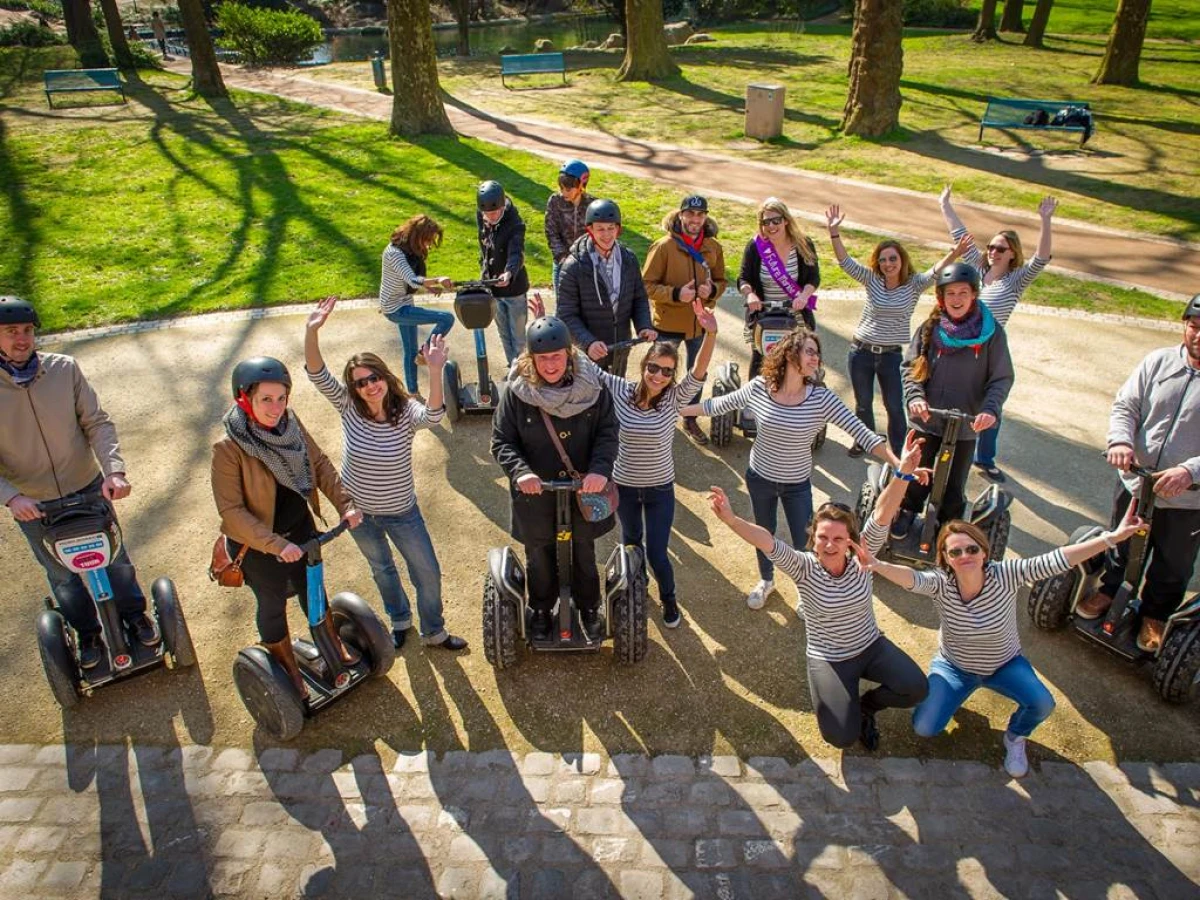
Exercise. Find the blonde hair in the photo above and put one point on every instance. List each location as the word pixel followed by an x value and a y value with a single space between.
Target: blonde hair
pixel 527 369
pixel 803 242
pixel 1014 244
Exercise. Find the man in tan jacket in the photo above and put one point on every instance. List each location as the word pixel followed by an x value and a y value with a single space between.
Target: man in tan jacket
pixel 686 263
pixel 57 440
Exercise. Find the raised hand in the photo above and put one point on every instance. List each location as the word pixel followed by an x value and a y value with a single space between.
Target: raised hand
pixel 1131 523
pixel 834 216
pixel 705 316
pixel 434 352
pixel 536 305
pixel 965 243
pixel 944 197
pixel 317 317
pixel 1047 207
pixel 910 456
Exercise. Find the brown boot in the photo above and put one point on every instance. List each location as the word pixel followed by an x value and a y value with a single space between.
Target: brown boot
pixel 349 656
pixel 1093 606
pixel 692 428
pixel 1151 635
pixel 286 657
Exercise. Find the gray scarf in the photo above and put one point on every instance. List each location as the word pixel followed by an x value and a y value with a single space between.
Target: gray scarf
pixel 284 454
pixel 561 400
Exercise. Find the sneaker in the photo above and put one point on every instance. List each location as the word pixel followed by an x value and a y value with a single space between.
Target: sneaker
pixel 868 734
pixel 757 598
pixel 692 427
pixel 1150 635
pixel 453 643
pixel 1093 606
pixel 593 626
pixel 398 636
pixel 902 524
pixel 541 625
pixel 991 473
pixel 855 452
pixel 91 650
pixel 671 615
pixel 144 629
pixel 1015 763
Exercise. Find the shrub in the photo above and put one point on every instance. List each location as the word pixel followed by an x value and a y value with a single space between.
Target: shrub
pixel 263 37
pixel 49 8
pixel 938 14
pixel 29 34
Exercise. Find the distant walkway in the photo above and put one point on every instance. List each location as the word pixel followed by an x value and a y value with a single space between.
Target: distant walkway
pixel 1159 266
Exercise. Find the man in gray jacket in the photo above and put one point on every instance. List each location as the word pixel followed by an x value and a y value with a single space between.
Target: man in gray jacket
pixel 55 433
pixel 1155 423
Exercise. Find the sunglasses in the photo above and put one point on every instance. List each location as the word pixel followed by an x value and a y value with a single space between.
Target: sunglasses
pixel 889 259
pixel 772 220
pixel 969 550
pixel 833 504
pixel 996 248
pixel 656 369
pixel 373 378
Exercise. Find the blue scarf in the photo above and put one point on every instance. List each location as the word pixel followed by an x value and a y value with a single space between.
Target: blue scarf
pixel 974 331
pixel 21 375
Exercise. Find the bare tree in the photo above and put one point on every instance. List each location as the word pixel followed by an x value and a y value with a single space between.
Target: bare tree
pixel 82 34
pixel 876 63
pixel 985 28
pixel 1037 24
pixel 462 15
pixel 647 57
pixel 116 34
pixel 417 95
pixel 1124 50
pixel 206 74
pixel 1011 20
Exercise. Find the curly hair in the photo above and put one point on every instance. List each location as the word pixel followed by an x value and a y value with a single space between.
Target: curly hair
pixel 789 350
pixel 397 397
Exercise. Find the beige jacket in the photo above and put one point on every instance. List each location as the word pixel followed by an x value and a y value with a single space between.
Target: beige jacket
pixel 669 267
pixel 53 433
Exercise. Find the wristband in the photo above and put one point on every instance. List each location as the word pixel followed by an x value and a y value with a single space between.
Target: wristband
pixel 898 474
pixel 1107 537
pixel 835 234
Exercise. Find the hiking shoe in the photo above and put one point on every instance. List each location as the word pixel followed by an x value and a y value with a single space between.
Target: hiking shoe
pixel 593 626
pixel 868 734
pixel 991 473
pixel 144 629
pixel 671 614
pixel 1150 636
pixel 855 451
pixel 1015 762
pixel 757 597
pixel 1093 606
pixel 541 625
pixel 692 427
pixel 91 650
pixel 902 524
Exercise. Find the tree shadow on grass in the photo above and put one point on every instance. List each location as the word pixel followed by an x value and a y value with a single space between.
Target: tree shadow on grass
pixel 22 213
pixel 736 103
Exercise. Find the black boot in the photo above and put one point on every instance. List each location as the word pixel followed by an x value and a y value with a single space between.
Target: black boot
pixel 541 625
pixel 593 626
pixel 868 735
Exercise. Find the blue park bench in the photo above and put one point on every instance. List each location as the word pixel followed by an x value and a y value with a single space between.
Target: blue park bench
pixel 532 64
pixel 71 81
pixel 1007 113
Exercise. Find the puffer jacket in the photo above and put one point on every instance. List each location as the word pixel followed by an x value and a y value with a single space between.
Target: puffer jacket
pixel 669 267
pixel 583 303
pixel 564 223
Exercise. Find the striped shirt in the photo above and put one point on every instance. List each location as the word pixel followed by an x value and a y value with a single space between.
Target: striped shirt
pixel 887 316
pixel 644 458
pixel 981 636
pixel 399 281
pixel 376 456
pixel 782 450
pixel 1003 294
pixel 838 614
pixel 772 292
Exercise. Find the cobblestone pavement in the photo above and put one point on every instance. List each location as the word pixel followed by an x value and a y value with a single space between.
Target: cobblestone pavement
pixel 112 821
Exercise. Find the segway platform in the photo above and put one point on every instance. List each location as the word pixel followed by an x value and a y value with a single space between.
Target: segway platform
pixel 322 690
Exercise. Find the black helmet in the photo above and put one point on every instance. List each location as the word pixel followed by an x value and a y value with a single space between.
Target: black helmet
pixel 491 196
pixel 547 334
pixel 1192 310
pixel 602 211
pixel 250 372
pixel 15 311
pixel 575 168
pixel 956 272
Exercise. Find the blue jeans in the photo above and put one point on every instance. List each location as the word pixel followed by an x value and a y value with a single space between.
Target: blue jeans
pixel 765 497
pixel 649 512
pixel 411 537
pixel 510 322
pixel 950 686
pixel 985 446
pixel 407 318
pixel 865 367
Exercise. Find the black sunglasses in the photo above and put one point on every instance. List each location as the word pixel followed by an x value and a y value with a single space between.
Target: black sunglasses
pixel 772 220
pixel 656 369
pixel 834 505
pixel 361 383
pixel 969 550
pixel 996 248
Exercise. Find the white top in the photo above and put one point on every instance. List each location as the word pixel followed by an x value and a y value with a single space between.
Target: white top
pixel 981 636
pixel 1003 294
pixel 782 450
pixel 887 316
pixel 399 281
pixel 838 614
pixel 376 456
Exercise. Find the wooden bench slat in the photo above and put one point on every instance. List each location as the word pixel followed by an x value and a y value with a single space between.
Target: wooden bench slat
pixel 532 64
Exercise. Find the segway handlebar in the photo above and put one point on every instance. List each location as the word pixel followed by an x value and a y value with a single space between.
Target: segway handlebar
pixel 84 501
pixel 475 284
pixel 625 345
pixel 952 414
pixel 312 546
pixel 1143 472
pixel 561 484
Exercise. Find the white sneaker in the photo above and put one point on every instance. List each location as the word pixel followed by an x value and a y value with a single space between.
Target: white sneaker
pixel 1015 763
pixel 757 598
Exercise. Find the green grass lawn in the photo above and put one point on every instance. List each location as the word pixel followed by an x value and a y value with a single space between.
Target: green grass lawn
pixel 170 206
pixel 1168 18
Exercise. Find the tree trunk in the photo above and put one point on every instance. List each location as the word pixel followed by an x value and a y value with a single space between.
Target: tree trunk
pixel 985 29
pixel 1010 21
pixel 1124 51
pixel 206 74
pixel 416 94
pixel 876 63
pixel 82 34
pixel 116 35
pixel 1037 25
pixel 647 57
pixel 462 15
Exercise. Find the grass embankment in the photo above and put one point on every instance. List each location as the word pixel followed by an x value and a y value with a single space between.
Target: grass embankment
pixel 1168 18
pixel 170 206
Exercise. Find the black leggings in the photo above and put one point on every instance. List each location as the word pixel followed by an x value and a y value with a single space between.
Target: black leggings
pixel 273 582
pixel 541 569
pixel 954 501
pixel 834 688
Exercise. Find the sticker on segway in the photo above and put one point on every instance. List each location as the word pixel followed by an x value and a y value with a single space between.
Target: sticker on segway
pixel 123 661
pixel 92 551
pixel 342 680
pixel 770 339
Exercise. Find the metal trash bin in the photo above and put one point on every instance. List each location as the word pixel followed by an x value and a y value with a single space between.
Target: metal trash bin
pixel 378 71
pixel 764 111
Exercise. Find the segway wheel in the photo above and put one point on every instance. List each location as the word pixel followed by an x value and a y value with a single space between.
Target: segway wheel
pixel 450 388
pixel 357 624
pixel 997 534
pixel 174 627
pixel 819 440
pixel 1177 669
pixel 57 658
pixel 1050 600
pixel 499 627
pixel 868 493
pixel 630 632
pixel 267 692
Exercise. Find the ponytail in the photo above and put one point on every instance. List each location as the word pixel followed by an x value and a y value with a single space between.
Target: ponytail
pixel 920 367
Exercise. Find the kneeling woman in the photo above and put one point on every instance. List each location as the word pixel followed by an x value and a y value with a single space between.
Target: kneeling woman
pixel 978 642
pixel 266 472
pixel 843 643
pixel 550 393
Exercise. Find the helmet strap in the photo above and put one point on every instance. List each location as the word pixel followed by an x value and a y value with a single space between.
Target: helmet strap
pixel 244 404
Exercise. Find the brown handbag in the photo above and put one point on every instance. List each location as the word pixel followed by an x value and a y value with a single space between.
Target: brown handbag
pixel 593 507
pixel 225 571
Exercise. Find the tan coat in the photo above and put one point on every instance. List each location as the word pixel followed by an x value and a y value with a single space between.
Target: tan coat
pixel 244 489
pixel 669 267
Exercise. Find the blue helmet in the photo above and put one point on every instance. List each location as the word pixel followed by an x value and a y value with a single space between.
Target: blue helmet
pixel 576 168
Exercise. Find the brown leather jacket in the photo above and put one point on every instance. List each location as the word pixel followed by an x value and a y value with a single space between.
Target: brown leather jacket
pixel 244 489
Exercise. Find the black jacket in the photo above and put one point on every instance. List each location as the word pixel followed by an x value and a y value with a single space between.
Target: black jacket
pixel 583 303
pixel 522 446
pixel 751 273
pixel 502 249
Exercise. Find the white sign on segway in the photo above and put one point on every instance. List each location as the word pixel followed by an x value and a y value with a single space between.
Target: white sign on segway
pixel 82 554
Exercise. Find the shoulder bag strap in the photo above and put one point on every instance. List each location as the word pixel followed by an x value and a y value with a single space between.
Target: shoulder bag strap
pixel 558 446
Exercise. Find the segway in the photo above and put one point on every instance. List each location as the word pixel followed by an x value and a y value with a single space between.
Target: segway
pixel 475 307
pixel 1052 605
pixel 265 686
pixel 770 325
pixel 83 534
pixel 989 512
pixel 508 617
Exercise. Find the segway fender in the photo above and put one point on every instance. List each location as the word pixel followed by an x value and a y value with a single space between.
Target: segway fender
pixel 727 379
pixel 509 576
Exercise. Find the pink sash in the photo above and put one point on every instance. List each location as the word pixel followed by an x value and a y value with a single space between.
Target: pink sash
pixel 778 271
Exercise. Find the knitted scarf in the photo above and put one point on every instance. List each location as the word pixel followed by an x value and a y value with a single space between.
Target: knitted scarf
pixel 21 375
pixel 282 451
pixel 973 331
pixel 563 400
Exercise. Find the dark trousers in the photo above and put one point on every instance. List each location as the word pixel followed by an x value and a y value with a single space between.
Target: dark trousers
pixel 765 498
pixel 272 582
pixel 692 345
pixel 954 501
pixel 649 513
pixel 834 689
pixel 867 367
pixel 1173 546
pixel 541 572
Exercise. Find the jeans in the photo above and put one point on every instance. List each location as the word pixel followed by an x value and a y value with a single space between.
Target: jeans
pixel 510 322
pixel 865 367
pixel 408 532
pixel 985 446
pixel 950 686
pixel 650 512
pixel 692 345
pixel 407 318
pixel 765 496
